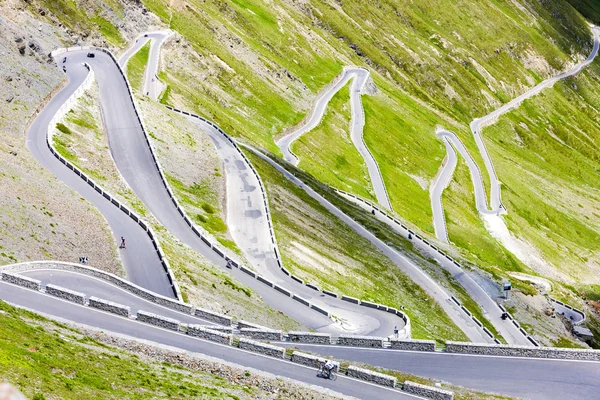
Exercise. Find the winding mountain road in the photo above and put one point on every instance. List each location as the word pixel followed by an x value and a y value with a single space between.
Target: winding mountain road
pixel 495 206
pixel 135 161
pixel 359 78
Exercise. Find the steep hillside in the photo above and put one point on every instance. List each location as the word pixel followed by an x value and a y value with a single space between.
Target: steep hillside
pixel 434 65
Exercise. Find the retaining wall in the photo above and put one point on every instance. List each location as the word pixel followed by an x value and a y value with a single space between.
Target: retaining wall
pixel 262 334
pixel 209 334
pixel 309 337
pixel 371 376
pixel 360 341
pixel 24 281
pixel 109 306
pixel 429 392
pixel 258 347
pixel 522 351
pixel 66 294
pixel 105 276
pixel 415 345
pixel 311 360
pixel 158 320
pixel 245 324
pixel 214 317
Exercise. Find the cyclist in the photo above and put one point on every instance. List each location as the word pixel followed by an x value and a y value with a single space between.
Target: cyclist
pixel 328 367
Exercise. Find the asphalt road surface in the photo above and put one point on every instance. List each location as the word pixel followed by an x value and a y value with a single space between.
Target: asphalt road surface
pixel 359 78
pixel 495 206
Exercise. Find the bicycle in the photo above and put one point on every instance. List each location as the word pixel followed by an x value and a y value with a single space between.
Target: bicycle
pixel 326 374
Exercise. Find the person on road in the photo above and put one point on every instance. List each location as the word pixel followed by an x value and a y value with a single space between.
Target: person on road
pixel 328 367
pixel 123 246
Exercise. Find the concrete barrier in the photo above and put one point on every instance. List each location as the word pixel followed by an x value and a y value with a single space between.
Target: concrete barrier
pixel 368 304
pixel 158 320
pixel 309 337
pixel 522 351
pixel 360 341
pixel 371 376
pixel 65 294
pixel 209 334
pixel 109 306
pixel 429 392
pixel 414 345
pixel 351 299
pixel 301 300
pixel 213 316
pixel 311 360
pixel 262 334
pixel 262 348
pixel 20 280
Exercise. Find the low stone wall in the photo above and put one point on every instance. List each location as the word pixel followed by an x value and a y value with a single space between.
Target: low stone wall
pixel 429 392
pixel 262 334
pixel 65 294
pixel 351 299
pixel 415 345
pixel 225 329
pixel 245 324
pixel 522 351
pixel 309 337
pixel 24 281
pixel 360 341
pixel 213 316
pixel 105 276
pixel 371 376
pixel 109 306
pixel 262 348
pixel 158 320
pixel 311 360
pixel 208 334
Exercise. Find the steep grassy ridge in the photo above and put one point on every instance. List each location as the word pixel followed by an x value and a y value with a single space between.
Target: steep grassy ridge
pixel 327 152
pixel 548 158
pixel 319 248
pixel 137 65
pixel 257 68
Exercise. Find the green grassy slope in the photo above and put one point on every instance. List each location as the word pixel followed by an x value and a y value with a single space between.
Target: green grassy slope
pixel 137 66
pixel 588 8
pixel 437 63
pixel 46 360
pixel 548 158
pixel 327 152
pixel 319 248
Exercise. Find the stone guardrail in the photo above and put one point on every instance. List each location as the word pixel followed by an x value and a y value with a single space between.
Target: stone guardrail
pixel 309 337
pixel 262 334
pixel 23 281
pixel 360 341
pixel 262 348
pixel 404 332
pixel 245 324
pixel 312 361
pixel 428 392
pixel 61 112
pixel 213 316
pixel 523 351
pixel 414 345
pixel 105 276
pixel 225 329
pixel 209 334
pixel 109 306
pixel 158 320
pixel 65 294
pixel 371 376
